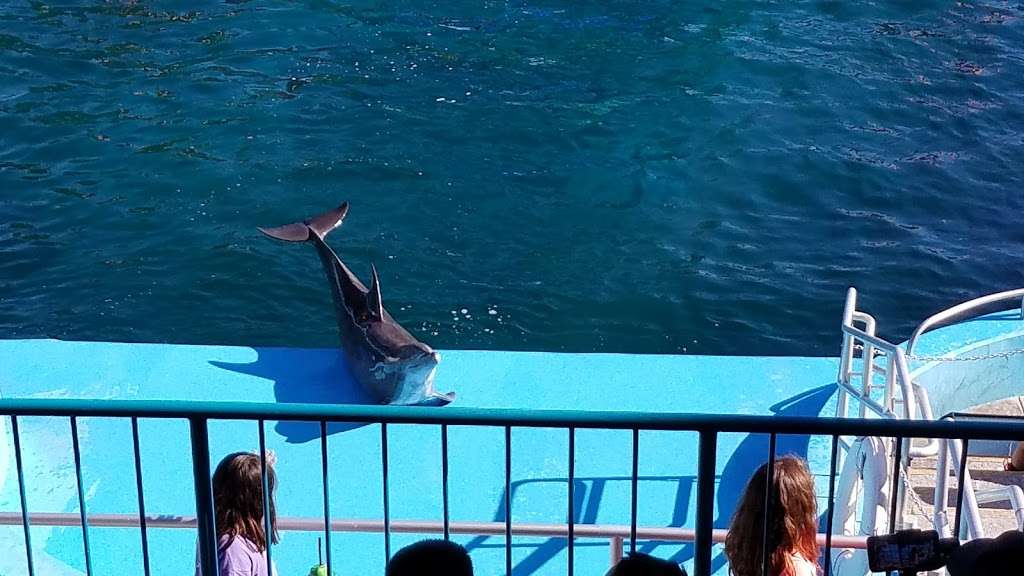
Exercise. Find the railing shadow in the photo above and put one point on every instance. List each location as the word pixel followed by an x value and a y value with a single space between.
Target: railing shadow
pixel 304 376
pixel 587 495
pixel 751 452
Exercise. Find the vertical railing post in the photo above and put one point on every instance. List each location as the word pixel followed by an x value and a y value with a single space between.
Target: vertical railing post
pixel 890 383
pixel 508 500
pixel 866 378
pixel 77 449
pixel 833 464
pixel 21 494
pixel 444 482
pixel 769 480
pixel 868 364
pixel 846 354
pixel 705 502
pixel 940 495
pixel 268 524
pixel 865 388
pixel 902 370
pixel 142 500
pixel 204 497
pixel 387 494
pixel 897 466
pixel 327 492
pixel 572 498
pixel 633 495
pixel 614 550
pixel 961 484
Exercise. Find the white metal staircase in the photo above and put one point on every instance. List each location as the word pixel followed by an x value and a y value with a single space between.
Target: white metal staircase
pixel 874 374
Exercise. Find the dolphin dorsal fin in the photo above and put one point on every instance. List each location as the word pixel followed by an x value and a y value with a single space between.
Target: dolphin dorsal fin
pixel 373 299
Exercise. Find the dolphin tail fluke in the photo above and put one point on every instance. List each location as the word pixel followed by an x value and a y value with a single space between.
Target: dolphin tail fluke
pixel 299 231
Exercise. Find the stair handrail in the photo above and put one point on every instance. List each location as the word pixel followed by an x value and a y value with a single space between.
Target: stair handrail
pixel 951 453
pixel 897 371
pixel 961 309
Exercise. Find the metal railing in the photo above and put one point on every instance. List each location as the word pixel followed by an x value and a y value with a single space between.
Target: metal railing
pixel 898 390
pixel 963 311
pixel 900 399
pixel 707 426
pixel 951 457
pixel 615 534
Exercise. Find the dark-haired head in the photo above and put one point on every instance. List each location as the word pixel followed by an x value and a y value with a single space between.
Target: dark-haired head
pixel 238 498
pixel 638 564
pixel 431 558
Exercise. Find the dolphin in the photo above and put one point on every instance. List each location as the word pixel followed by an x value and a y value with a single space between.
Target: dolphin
pixel 384 358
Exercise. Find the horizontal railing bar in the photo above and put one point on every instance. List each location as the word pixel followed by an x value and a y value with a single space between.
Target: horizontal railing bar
pixel 867 401
pixel 871 339
pixel 976 416
pixel 405 526
pixel 511 417
pixel 956 312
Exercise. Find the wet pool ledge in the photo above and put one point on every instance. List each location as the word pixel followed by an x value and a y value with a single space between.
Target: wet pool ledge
pixel 676 383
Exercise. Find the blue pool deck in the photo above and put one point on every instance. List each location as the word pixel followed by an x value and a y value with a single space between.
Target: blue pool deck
pixel 792 386
pixel 667 464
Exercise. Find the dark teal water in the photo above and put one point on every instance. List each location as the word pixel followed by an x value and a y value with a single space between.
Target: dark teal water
pixel 706 177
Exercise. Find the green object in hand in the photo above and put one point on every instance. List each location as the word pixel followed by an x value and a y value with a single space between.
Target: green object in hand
pixel 319 569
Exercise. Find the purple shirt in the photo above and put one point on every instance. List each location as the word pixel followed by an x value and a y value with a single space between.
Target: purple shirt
pixel 239 557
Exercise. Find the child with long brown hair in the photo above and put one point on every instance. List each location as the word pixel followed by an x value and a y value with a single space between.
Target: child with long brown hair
pixel 238 507
pixel 792 532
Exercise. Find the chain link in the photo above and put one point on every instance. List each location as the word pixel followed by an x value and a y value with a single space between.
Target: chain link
pixel 993 356
pixel 915 498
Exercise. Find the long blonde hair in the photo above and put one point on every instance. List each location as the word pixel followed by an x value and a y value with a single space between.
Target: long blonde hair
pixel 794 520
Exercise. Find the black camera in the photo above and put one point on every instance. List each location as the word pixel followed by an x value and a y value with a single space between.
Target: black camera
pixel 910 551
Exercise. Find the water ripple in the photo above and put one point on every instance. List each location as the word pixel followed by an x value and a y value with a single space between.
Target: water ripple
pixel 666 178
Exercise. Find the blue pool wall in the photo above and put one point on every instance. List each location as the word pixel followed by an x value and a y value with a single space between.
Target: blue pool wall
pixel 959 385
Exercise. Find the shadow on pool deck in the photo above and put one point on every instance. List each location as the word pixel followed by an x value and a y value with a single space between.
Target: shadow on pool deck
pixel 751 452
pixel 307 377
